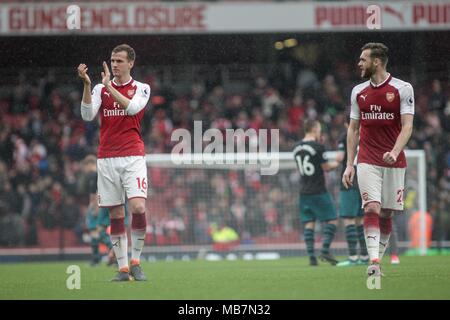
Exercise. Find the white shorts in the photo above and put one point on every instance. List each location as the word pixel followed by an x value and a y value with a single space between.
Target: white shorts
pixel 119 178
pixel 381 184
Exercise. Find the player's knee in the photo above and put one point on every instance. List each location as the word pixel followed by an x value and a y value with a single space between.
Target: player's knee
pixel 359 220
pixel 95 234
pixel 309 225
pixel 386 213
pixel 372 207
pixel 349 221
pixel 117 212
pixel 138 207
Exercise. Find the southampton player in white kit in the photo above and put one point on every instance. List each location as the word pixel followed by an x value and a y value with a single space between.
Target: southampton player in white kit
pixel 122 170
pixel 382 111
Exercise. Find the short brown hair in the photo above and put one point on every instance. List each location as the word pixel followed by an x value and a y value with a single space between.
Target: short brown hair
pixel 89 159
pixel 131 55
pixel 377 50
pixel 309 125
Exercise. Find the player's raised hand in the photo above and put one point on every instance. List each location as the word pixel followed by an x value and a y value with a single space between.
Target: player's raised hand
pixel 389 157
pixel 106 75
pixel 348 176
pixel 82 73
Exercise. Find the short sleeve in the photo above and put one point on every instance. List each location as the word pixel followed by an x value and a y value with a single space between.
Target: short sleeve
pixel 88 112
pixel 140 99
pixel 354 108
pixel 97 96
pixel 406 99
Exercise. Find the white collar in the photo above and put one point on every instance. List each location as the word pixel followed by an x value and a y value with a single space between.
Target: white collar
pixel 380 84
pixel 123 84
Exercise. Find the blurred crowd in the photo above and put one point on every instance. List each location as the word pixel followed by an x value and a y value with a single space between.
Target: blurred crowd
pixel 43 139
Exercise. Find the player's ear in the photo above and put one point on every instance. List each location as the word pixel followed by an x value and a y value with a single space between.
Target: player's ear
pixel 377 62
pixel 131 63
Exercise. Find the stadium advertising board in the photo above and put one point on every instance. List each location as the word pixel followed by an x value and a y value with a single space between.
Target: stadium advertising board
pixel 199 17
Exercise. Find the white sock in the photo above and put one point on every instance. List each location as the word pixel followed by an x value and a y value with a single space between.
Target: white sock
pixel 384 241
pixel 137 243
pixel 120 247
pixel 372 236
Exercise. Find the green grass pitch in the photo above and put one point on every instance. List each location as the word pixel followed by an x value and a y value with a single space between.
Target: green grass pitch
pixel 287 279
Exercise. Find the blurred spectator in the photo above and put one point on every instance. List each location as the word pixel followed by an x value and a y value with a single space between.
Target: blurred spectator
pixel 12 227
pixel 437 100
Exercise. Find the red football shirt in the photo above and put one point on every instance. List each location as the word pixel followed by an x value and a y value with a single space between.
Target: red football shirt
pixel 120 129
pixel 379 109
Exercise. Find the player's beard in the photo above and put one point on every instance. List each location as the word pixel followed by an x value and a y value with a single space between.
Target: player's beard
pixel 368 72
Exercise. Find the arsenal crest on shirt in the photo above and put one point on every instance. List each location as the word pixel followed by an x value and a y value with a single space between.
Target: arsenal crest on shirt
pixel 131 92
pixel 390 96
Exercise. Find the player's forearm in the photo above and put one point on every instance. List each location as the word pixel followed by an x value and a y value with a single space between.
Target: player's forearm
pixel 402 138
pixel 330 165
pixel 87 110
pixel 340 156
pixel 87 98
pixel 93 204
pixel 352 143
pixel 118 97
pixel 93 208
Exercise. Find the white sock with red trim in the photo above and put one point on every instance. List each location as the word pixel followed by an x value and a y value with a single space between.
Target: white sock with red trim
pixel 372 234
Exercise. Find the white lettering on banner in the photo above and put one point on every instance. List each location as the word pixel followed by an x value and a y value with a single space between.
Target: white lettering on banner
pixel 73 20
pixel 374 20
